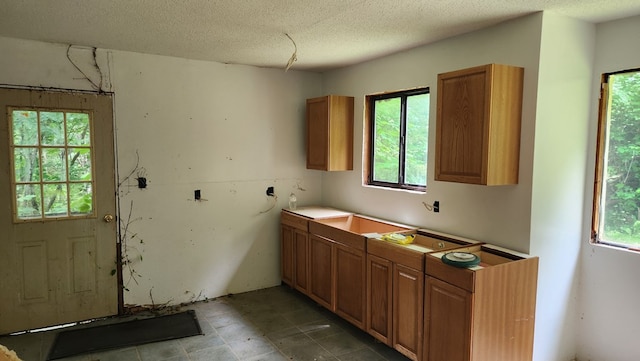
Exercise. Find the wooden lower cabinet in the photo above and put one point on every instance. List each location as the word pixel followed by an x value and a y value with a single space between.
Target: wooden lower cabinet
pixel 337 276
pixel 301 256
pixel 380 299
pixel 447 331
pixel 395 305
pixel 482 313
pixel 408 291
pixel 287 255
pixel 350 284
pixel 409 299
pixel 321 271
pixel 295 251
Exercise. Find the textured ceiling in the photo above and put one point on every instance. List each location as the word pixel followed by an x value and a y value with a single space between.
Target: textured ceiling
pixel 328 33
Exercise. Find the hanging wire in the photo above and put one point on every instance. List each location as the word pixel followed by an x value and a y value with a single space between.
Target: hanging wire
pixel 97 87
pixel 294 56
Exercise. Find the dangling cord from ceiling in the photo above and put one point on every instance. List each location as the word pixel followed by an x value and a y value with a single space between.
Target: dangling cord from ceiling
pixel 294 56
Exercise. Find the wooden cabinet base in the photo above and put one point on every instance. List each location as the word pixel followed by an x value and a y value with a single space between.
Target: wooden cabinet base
pixel 482 313
pixel 447 322
pixel 321 271
pixel 380 298
pixel 408 286
pixel 350 284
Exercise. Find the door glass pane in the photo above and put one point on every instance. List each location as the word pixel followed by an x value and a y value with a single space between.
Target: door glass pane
pixel 28 201
pixel 386 145
pixel 81 198
pixel 79 164
pixel 78 129
pixel 52 128
pixel 55 200
pixel 54 165
pixel 52 169
pixel 24 127
pixel 26 164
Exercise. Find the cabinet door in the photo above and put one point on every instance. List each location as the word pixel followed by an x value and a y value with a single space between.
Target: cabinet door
pixel 461 137
pixel 350 284
pixel 478 125
pixel 318 133
pixel 379 298
pixel 321 271
pixel 301 260
pixel 448 312
pixel 408 293
pixel 286 254
pixel 330 133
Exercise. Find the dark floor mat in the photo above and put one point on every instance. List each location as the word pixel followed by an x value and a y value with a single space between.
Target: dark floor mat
pixel 125 334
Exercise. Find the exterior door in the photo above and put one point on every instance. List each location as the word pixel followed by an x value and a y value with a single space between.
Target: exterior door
pixel 57 207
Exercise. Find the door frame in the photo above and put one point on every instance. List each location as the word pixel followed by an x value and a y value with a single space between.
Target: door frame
pixel 117 242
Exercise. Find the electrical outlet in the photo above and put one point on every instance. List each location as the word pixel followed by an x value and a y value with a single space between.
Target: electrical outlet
pixel 142 182
pixel 270 191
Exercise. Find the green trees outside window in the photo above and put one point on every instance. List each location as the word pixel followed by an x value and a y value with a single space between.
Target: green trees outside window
pixel 620 194
pixel 52 165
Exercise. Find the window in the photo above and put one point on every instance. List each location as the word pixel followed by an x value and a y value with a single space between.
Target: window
pixel 397 128
pixel 616 210
pixel 52 175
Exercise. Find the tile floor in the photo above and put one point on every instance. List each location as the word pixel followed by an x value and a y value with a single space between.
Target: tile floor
pixel 271 324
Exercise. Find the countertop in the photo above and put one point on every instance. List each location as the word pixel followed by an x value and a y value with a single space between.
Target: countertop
pixel 318 212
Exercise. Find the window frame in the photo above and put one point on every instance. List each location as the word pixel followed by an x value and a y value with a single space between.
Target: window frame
pixel 602 138
pixel 369 136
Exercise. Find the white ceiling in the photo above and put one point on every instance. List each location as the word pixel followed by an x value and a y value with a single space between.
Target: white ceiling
pixel 328 33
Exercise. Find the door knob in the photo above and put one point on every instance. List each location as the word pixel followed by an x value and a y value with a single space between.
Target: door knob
pixel 108 218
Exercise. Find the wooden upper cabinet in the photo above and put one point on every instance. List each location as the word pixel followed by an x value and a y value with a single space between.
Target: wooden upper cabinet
pixel 478 125
pixel 330 133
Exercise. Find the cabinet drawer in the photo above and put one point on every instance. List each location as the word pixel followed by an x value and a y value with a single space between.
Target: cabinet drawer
pixel 338 235
pixel 461 277
pixel 396 253
pixel 294 221
pixel 492 259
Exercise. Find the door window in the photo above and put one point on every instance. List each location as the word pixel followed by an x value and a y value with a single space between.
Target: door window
pixel 52 164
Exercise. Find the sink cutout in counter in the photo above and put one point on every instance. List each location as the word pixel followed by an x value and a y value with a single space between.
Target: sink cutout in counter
pixel 363 225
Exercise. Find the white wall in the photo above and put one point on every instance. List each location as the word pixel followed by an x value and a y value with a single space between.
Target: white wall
pixel 496 214
pixel 609 295
pixel 229 130
pixel 560 152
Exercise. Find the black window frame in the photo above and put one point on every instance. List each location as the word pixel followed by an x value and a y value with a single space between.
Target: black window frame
pixel 371 101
